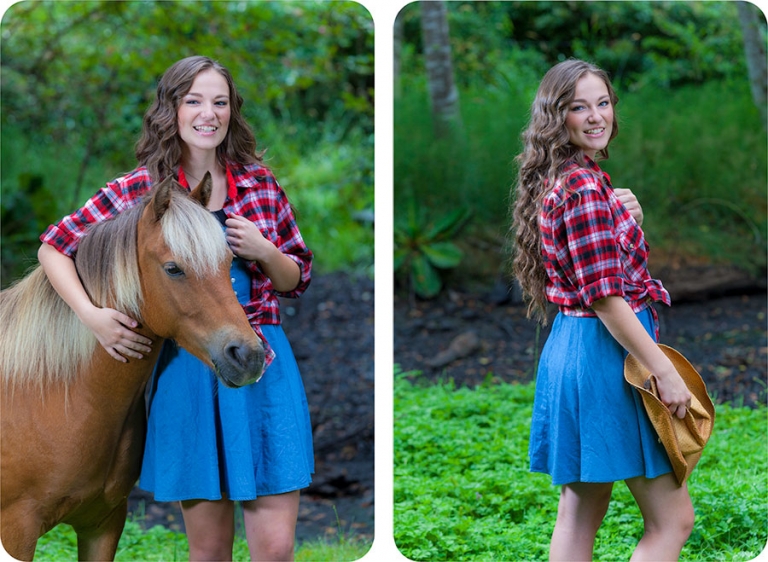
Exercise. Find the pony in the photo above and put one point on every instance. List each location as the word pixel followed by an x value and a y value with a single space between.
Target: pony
pixel 73 418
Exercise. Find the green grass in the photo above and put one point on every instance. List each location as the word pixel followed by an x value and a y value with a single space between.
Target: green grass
pixel 161 544
pixel 463 491
pixel 697 158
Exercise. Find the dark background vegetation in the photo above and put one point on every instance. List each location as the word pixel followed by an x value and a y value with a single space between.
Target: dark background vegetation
pixel 692 143
pixel 77 78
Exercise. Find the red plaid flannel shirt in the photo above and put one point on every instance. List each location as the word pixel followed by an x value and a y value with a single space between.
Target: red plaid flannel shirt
pixel 253 192
pixel 592 246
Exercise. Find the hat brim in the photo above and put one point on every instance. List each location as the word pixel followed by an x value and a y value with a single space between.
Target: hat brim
pixel 683 439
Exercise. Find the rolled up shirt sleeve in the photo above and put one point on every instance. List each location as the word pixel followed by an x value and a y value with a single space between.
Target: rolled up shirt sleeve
pixel 592 245
pixel 291 243
pixel 115 197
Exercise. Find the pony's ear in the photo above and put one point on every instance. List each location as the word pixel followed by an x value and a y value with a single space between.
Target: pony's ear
pixel 202 193
pixel 161 197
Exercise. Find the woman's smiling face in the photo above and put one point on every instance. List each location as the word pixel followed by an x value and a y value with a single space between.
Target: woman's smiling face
pixel 590 115
pixel 204 112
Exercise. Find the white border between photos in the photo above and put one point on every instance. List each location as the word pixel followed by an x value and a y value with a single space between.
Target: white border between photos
pixel 384 548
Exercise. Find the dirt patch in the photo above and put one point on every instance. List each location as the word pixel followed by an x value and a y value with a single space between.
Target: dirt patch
pixel 481 335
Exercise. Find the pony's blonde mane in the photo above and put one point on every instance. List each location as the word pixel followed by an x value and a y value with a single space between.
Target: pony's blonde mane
pixel 195 238
pixel 40 336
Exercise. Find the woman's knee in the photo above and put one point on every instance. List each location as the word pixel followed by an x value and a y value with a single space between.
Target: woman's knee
pixel 666 507
pixel 584 505
pixel 277 546
pixel 213 545
pixel 682 522
pixel 270 525
pixel 209 528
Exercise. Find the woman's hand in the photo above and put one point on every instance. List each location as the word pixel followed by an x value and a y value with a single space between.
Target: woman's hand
pixel 629 200
pixel 672 392
pixel 114 332
pixel 247 242
pixel 111 328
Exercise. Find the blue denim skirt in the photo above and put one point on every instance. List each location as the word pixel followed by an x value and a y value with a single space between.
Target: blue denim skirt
pixel 207 441
pixel 588 424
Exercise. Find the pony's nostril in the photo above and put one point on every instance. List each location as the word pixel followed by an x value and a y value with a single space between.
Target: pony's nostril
pixel 245 358
pixel 238 355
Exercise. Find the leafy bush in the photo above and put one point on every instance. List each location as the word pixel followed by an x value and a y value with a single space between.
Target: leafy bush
pixel 462 489
pixel 424 248
pixel 696 157
pixel 331 186
pixel 699 168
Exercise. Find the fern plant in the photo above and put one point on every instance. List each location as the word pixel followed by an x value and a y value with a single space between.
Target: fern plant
pixel 423 247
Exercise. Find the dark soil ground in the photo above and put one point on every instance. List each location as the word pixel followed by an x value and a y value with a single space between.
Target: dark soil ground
pixel 480 334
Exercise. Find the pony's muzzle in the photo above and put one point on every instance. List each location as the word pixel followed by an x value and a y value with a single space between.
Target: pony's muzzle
pixel 240 364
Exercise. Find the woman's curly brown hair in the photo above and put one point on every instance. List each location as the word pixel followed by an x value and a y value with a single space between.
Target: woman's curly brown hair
pixel 546 148
pixel 159 147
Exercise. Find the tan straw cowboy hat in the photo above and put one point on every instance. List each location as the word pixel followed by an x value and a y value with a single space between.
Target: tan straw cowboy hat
pixel 683 439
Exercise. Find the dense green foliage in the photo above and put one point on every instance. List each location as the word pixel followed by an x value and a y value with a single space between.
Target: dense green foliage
pixel 658 43
pixel 691 144
pixel 463 491
pixel 159 543
pixel 78 76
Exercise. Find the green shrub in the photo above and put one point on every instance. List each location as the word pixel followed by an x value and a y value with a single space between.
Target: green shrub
pixel 423 248
pixel 696 157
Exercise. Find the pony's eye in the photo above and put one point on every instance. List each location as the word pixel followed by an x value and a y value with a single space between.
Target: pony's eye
pixel 173 270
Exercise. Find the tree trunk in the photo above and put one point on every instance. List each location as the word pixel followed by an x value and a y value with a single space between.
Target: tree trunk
pixel 753 28
pixel 437 55
pixel 397 47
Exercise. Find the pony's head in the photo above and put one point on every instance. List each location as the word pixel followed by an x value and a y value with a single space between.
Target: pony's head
pixel 170 270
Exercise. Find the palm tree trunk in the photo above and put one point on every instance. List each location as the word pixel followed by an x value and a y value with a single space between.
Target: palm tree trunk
pixel 437 55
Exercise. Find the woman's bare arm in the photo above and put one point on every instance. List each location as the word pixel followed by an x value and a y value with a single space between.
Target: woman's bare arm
pixel 111 328
pixel 624 326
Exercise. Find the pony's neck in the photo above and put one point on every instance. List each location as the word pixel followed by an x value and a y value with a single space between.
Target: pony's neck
pixel 123 382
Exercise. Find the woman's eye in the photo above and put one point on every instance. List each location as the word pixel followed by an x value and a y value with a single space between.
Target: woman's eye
pixel 577 108
pixel 173 270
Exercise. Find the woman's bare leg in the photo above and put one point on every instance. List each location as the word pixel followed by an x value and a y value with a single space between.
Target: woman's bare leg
pixel 667 516
pixel 270 526
pixel 210 527
pixel 580 512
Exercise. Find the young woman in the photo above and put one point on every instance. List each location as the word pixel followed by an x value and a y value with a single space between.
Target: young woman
pixel 579 245
pixel 208 445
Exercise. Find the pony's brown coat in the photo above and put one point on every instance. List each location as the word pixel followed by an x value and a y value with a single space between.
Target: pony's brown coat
pixel 73 418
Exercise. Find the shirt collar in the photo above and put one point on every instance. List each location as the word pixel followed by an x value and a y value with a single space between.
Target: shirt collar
pixel 591 165
pixel 231 186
